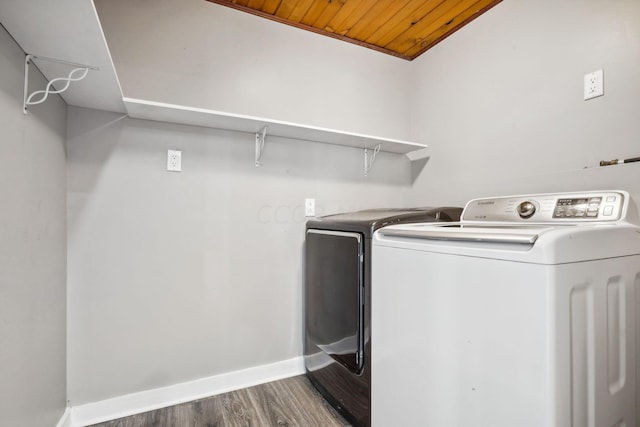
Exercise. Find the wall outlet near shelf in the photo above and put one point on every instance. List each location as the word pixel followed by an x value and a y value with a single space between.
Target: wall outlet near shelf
pixel 594 84
pixel 174 160
pixel 309 207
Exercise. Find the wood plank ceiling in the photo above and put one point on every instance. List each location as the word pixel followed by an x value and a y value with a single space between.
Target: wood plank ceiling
pixel 403 28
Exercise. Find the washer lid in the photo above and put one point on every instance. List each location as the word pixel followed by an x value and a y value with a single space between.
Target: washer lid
pixel 542 244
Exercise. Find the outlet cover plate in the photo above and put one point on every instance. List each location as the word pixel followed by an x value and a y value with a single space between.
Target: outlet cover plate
pixel 174 160
pixel 309 207
pixel 593 84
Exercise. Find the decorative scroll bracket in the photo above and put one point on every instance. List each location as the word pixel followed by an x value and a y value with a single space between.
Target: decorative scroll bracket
pixel 261 137
pixel 369 159
pixel 79 72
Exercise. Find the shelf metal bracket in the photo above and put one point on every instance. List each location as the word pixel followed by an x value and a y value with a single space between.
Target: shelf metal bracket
pixel 261 137
pixel 78 73
pixel 369 159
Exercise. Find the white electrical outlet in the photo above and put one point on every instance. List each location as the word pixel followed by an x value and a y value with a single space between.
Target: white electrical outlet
pixel 593 84
pixel 309 207
pixel 174 160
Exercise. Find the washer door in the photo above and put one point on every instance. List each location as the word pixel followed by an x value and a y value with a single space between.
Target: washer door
pixel 334 296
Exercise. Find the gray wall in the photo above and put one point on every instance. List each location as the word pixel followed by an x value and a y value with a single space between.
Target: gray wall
pixel 174 277
pixel 179 276
pixel 32 250
pixel 501 102
pixel 200 54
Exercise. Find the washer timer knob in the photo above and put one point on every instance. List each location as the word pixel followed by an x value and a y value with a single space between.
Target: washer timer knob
pixel 526 209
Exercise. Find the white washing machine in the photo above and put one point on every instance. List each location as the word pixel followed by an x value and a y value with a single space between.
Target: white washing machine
pixel 523 314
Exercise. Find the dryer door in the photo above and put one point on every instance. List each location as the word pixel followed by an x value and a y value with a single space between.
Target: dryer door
pixel 334 296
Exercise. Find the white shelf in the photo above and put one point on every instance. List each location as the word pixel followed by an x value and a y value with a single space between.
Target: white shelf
pixel 170 113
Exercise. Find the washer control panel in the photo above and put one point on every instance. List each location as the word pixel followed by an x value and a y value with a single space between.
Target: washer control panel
pixel 549 208
pixel 581 208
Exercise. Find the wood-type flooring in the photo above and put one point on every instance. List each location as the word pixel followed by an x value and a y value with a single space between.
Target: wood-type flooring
pixel 292 402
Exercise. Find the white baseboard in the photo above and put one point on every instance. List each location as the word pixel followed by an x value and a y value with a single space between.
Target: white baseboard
pixel 65 420
pixel 136 403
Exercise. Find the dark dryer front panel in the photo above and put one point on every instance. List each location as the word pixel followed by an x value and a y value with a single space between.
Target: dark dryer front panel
pixel 337 289
pixel 334 295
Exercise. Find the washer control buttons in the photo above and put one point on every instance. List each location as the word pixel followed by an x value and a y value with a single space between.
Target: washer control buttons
pixel 577 208
pixel 608 211
pixel 526 209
